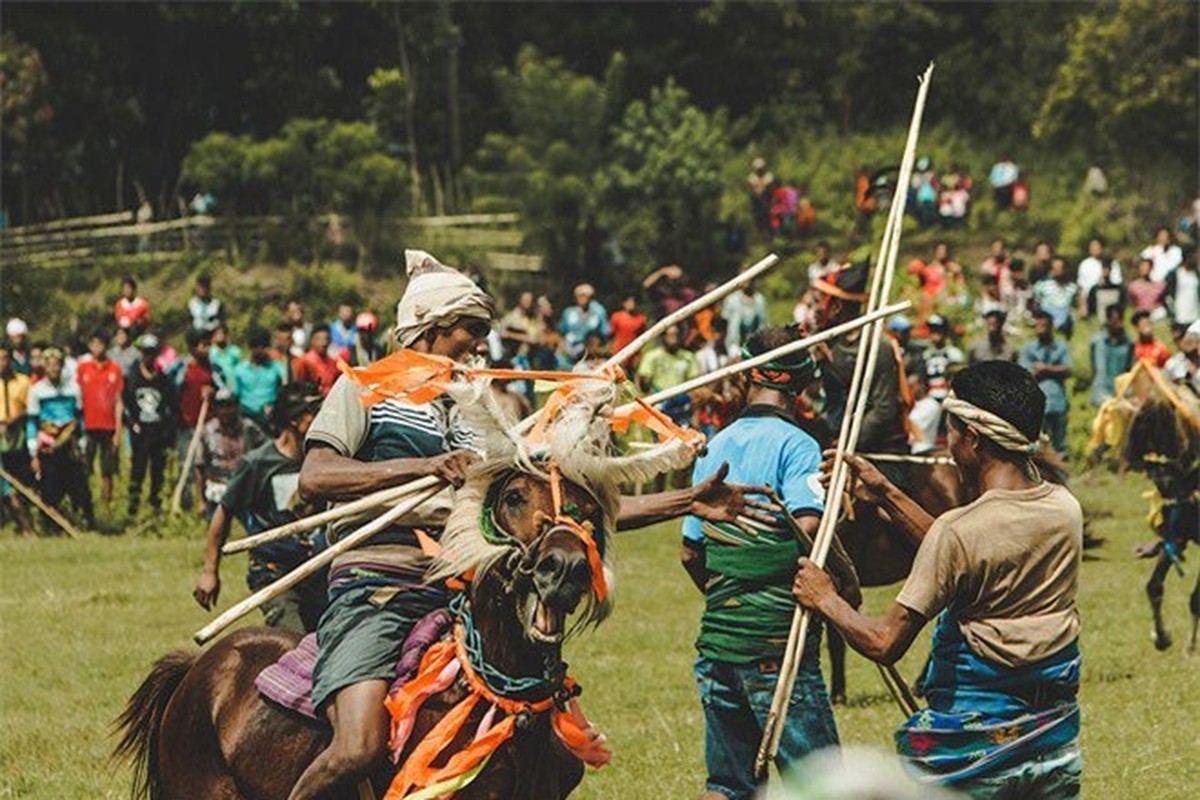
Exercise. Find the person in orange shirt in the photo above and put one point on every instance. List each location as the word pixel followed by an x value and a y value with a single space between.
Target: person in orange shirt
pixel 316 365
pixel 101 386
pixel 627 323
pixel 1148 348
pixel 131 311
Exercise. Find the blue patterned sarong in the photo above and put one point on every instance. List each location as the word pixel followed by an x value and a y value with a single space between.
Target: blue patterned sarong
pixel 983 716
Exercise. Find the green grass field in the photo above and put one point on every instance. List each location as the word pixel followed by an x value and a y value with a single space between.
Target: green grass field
pixel 82 621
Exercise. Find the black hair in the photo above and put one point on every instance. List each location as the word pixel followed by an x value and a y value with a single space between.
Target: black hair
pixel 195 336
pixel 258 337
pixel 129 279
pixel 800 368
pixel 319 328
pixel 1115 309
pixel 295 400
pixel 1138 316
pixel 1007 390
pixel 102 335
pixel 6 346
pixel 825 244
pixel 1040 314
pixel 204 280
pixel 285 327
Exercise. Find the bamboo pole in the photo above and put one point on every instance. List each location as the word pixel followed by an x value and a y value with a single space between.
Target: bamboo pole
pixel 868 352
pixel 365 503
pixel 46 509
pixel 185 467
pixel 899 689
pixel 311 566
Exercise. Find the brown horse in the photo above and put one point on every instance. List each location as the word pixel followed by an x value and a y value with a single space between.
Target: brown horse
pixel 198 728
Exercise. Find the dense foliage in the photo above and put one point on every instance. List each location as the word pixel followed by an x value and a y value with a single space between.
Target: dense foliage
pixel 621 131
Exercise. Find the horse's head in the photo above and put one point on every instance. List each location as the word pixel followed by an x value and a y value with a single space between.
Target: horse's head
pixel 550 572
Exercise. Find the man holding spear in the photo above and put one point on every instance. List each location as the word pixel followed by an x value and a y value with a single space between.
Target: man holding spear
pixel 1000 576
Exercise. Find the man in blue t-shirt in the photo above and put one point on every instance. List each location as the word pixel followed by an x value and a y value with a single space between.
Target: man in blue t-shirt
pixel 257 380
pixel 745 572
pixel 1050 362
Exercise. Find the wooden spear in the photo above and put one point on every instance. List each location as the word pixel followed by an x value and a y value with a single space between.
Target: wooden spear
pixel 47 509
pixel 185 467
pixel 848 437
pixel 313 565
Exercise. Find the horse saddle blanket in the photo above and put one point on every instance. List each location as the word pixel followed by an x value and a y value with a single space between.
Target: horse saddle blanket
pixel 289 681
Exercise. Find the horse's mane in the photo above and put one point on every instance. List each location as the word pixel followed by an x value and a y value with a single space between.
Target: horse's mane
pixel 578 441
pixel 1159 429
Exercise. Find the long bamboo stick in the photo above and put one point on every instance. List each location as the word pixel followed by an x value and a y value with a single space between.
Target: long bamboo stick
pixel 312 565
pixel 362 504
pixel 848 436
pixel 185 468
pixel 47 509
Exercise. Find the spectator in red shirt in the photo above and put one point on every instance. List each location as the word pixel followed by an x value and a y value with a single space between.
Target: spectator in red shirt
pixel 626 323
pixel 316 365
pixel 131 311
pixel 101 384
pixel 195 383
pixel 1147 347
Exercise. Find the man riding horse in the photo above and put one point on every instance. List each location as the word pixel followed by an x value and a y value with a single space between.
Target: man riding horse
pixel 378 591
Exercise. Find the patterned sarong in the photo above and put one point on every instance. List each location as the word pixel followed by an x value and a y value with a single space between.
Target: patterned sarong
pixel 983 716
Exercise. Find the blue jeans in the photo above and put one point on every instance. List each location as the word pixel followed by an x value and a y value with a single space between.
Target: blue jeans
pixel 1050 776
pixel 736 700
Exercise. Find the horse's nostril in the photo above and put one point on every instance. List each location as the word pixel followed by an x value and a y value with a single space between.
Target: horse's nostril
pixel 580 572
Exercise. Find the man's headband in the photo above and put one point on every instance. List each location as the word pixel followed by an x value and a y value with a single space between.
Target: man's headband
pixel 999 430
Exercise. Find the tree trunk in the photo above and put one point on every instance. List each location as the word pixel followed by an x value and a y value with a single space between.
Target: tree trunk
pixel 410 113
pixel 453 44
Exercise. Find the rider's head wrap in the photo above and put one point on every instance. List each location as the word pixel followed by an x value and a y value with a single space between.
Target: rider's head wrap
pixel 437 296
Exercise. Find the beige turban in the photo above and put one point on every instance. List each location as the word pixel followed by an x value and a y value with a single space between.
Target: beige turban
pixel 437 295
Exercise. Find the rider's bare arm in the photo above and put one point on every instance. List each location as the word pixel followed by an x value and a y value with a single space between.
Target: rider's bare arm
pixel 712 499
pixel 883 639
pixel 208 586
pixel 328 475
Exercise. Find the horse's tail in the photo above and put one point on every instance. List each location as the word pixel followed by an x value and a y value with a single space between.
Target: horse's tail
pixel 139 723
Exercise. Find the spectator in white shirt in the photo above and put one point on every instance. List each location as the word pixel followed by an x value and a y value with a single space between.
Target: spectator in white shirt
pixel 1165 254
pixel 1092 268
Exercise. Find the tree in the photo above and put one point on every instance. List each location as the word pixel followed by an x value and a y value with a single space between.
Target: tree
pixel 25 108
pixel 662 185
pixel 1129 84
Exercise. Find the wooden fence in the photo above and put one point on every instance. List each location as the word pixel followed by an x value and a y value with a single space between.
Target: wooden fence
pixel 497 238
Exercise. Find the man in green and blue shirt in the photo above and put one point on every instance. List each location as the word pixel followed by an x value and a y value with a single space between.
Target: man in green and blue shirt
pixel 1050 362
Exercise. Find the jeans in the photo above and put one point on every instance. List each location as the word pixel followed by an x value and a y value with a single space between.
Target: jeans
pixel 736 700
pixel 1050 776
pixel 147 452
pixel 1055 426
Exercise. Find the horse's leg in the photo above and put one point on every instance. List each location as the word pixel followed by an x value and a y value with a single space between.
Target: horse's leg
pixel 1154 591
pixel 1194 606
pixel 837 666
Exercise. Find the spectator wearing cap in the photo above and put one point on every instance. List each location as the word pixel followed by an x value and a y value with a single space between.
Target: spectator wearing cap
pixel 316 366
pixel 206 311
pixel 746 312
pixel 1111 354
pixel 257 380
pixel 1147 347
pixel 264 492
pixel 151 414
pixel 941 358
pixel 993 344
pixel 52 430
pixel 14 455
pixel 343 333
pixel 584 317
pixel 900 328
pixel 224 442
pixel 366 346
pixel 195 382
pixel 102 387
pixel 131 311
pixel 1050 362
pixel 18 345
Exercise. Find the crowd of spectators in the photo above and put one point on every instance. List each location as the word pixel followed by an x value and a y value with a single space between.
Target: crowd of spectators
pixel 70 410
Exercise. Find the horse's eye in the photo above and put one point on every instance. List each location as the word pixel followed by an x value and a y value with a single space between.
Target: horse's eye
pixel 513 498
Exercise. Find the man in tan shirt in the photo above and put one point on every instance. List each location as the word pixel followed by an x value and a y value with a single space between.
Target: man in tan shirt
pixel 1000 576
